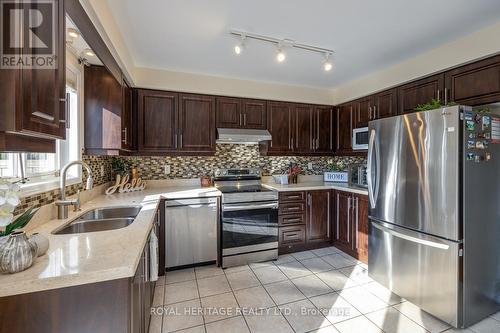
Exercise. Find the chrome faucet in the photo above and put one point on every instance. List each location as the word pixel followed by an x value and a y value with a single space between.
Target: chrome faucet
pixel 63 203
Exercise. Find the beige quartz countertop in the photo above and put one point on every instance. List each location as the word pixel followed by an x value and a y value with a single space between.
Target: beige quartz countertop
pixel 77 259
pixel 316 185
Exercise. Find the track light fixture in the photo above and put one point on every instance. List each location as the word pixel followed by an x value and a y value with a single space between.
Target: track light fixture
pixel 281 44
pixel 238 48
pixel 327 65
pixel 73 33
pixel 280 55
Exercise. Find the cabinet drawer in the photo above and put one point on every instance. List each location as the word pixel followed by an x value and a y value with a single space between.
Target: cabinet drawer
pixel 292 208
pixel 292 196
pixel 292 219
pixel 292 235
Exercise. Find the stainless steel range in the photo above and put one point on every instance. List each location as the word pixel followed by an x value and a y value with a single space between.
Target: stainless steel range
pixel 249 217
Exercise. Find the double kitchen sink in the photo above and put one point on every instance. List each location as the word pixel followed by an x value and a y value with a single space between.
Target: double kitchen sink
pixel 100 219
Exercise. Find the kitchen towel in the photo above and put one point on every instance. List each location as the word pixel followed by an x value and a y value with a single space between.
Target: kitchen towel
pixel 153 254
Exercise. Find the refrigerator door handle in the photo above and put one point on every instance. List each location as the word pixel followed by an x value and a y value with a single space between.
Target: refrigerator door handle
pixel 406 236
pixel 371 146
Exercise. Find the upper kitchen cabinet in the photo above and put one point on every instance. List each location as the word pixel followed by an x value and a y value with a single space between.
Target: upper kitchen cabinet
pixel 196 123
pixel 157 117
pixel 385 104
pixel 103 98
pixel 177 124
pixel 279 121
pixel 363 111
pixel 303 128
pixel 32 95
pixel 474 84
pixel 128 117
pixel 241 113
pixel 344 128
pixel 420 92
pixel 323 129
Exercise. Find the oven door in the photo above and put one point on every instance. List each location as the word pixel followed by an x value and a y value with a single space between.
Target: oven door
pixel 360 138
pixel 249 227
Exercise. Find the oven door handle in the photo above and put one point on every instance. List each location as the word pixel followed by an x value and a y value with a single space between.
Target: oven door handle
pixel 230 208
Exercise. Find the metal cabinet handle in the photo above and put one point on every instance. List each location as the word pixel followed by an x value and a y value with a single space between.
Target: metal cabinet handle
pixel 241 116
pixel 124 135
pixel 445 96
pixel 244 119
pixel 374 113
pixel 348 218
pixel 180 140
pixel 293 220
pixel 175 140
pixel 357 219
pixel 43 115
pixel 438 94
pixel 292 144
pixel 337 219
pixel 309 199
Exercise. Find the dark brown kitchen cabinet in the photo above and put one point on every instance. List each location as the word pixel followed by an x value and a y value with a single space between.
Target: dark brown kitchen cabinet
pixel 385 104
pixel 196 123
pixel 280 125
pixel 350 225
pixel 344 128
pixel 32 100
pixel 157 117
pixel 304 220
pixel 318 216
pixel 241 113
pixel 363 112
pixel 420 92
pixel 323 130
pixel 302 136
pixel 127 117
pixel 474 84
pixel 103 103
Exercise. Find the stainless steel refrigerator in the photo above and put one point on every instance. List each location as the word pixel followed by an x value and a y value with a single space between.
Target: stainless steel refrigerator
pixel 434 192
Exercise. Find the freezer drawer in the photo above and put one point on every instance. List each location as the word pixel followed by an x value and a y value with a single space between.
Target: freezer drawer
pixel 421 268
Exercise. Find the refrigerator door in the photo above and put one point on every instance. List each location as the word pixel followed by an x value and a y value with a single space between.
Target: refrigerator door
pixel 413 171
pixel 481 214
pixel 421 268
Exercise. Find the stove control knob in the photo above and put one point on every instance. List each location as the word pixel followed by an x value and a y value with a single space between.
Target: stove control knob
pixel 217 173
pixel 224 172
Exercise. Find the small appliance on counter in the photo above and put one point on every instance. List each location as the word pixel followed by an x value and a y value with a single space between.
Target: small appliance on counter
pixel 357 175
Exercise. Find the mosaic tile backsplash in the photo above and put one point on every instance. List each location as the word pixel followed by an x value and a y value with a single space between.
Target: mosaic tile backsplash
pixel 229 156
pixel 226 156
pixel 48 197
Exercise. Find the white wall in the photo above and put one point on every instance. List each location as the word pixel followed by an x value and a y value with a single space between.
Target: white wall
pixel 195 83
pixel 471 47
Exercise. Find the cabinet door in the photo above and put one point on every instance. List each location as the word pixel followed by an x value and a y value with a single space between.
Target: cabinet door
pixel 279 116
pixel 420 92
pixel 157 121
pixel 363 112
pixel 127 121
pixel 318 216
pixel 344 128
pixel 323 129
pixel 360 219
pixel 44 90
pixel 254 113
pixel 197 123
pixel 474 84
pixel 343 212
pixel 303 128
pixel 229 113
pixel 103 98
pixel 386 104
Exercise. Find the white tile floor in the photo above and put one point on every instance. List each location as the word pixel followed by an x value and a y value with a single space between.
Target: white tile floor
pixel 322 291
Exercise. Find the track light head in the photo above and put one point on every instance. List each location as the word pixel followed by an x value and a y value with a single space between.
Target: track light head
pixel 238 48
pixel 327 64
pixel 280 55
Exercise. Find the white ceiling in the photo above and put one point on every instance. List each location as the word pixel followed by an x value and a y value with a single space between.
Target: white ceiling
pixel 192 35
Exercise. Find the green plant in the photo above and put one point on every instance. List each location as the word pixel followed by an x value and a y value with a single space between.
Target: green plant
pixel 20 222
pixel 434 104
pixel 120 166
pixel 336 165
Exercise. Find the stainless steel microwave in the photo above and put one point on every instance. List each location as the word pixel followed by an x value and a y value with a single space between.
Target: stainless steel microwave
pixel 360 138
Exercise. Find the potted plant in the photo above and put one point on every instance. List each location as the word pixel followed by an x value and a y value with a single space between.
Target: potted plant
pixel 120 166
pixel 337 171
pixel 9 200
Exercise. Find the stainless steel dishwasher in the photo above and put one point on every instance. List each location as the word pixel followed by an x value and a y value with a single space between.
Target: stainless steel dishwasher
pixel 190 231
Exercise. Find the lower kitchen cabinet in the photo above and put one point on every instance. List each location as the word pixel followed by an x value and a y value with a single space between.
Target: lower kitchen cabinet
pixel 350 225
pixel 304 220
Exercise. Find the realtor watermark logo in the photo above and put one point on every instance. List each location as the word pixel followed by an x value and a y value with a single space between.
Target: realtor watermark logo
pixel 27 32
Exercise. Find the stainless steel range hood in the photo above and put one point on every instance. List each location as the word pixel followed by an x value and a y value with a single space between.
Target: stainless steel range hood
pixel 242 136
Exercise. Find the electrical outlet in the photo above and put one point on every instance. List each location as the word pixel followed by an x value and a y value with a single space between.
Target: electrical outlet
pixel 102 170
pixel 310 165
pixel 166 169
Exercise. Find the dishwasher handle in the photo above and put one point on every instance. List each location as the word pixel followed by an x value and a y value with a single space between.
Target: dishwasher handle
pixel 191 202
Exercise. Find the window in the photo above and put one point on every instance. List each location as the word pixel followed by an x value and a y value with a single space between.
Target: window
pixel 42 168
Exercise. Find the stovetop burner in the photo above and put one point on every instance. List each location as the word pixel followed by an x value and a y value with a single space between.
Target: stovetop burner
pixel 242 188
